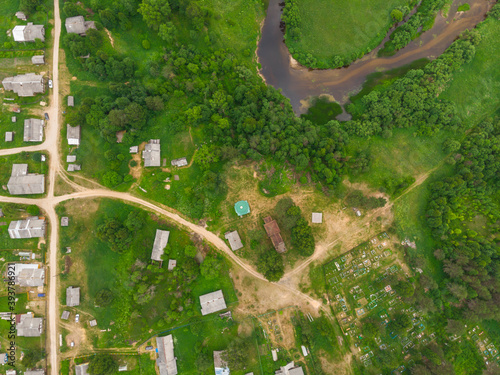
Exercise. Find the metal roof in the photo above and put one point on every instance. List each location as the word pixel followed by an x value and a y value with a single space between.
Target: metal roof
pixel 82 369
pixel 74 167
pixel 181 162
pixel 166 361
pixel 152 154
pixel 161 240
pixel 9 136
pixel 219 364
pixel 39 59
pixel 28 326
pixel 72 296
pixel 273 231
pixel 21 183
pixel 35 372
pixel 234 240
pixel 171 264
pixel 64 221
pixel 78 25
pixel 242 208
pixel 290 369
pixel 73 134
pixel 71 158
pixel 65 315
pixel 212 302
pixel 32 227
pixel 33 130
pixel 24 85
pixel 28 33
pixel 71 101
pixel 317 217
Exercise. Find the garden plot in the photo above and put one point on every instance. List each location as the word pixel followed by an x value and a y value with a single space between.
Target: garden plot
pixel 361 290
pixel 484 344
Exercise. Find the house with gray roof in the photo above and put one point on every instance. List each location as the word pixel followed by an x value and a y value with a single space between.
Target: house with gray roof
pixel 71 101
pixel 181 162
pixel 72 296
pixel 161 241
pixel 38 60
pixel 234 240
pixel 24 85
pixel 78 25
pixel 73 134
pixel 35 372
pixel 28 33
pixel 32 227
pixel 70 158
pixel 64 221
pixel 28 326
pixel 221 367
pixel 212 302
pixel 152 153
pixel 33 130
pixel 82 369
pixel 28 274
pixel 290 369
pixel 21 182
pixel 166 360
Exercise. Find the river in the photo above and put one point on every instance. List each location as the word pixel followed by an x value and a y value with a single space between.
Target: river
pixel 299 83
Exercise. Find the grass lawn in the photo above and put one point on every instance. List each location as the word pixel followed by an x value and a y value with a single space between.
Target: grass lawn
pixel 475 89
pixel 343 28
pixel 93 266
pixel 402 155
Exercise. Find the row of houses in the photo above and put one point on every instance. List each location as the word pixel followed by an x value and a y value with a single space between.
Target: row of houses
pixel 31 32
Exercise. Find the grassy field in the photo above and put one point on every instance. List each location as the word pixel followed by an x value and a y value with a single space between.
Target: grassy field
pixel 475 89
pixel 403 155
pixel 93 266
pixel 339 28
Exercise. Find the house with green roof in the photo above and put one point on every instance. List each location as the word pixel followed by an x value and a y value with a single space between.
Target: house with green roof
pixel 242 208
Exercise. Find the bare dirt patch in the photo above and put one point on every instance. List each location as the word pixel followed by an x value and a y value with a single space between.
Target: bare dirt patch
pixel 136 171
pixel 112 41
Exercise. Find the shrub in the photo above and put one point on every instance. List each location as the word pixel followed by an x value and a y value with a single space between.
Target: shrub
pixel 146 44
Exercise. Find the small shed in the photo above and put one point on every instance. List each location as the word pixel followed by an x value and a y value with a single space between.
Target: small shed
pixel 13 118
pixel 274 353
pixel 161 241
pixel 70 158
pixel 171 264
pixel 122 368
pixel 65 315
pixel 234 240
pixel 317 217
pixel 72 296
pixel 74 167
pixel 64 221
pixel 21 16
pixel 73 135
pixel 9 136
pixel 71 101
pixel 11 371
pixel 152 153
pixel 242 208
pixel 273 232
pixel 93 323
pixel 38 60
pixel 304 350
pixel 181 162
pixel 134 149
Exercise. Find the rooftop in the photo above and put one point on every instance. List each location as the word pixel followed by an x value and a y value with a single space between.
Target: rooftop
pixel 35 372
pixel 65 315
pixel 32 227
pixel 71 101
pixel 38 59
pixel 78 25
pixel 64 221
pixel 219 364
pixel 234 240
pixel 72 296
pixel 70 158
pixel 74 167
pixel 28 274
pixel 273 232
pixel 9 136
pixel 73 134
pixel 152 153
pixel 242 208
pixel 317 217
pixel 82 369
pixel 181 162
pixel 290 369
pixel 28 33
pixel 161 240
pixel 28 326
pixel 24 85
pixel 166 361
pixel 212 302
pixel 171 264
pixel 33 130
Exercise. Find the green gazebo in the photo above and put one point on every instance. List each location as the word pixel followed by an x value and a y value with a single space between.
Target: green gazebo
pixel 242 208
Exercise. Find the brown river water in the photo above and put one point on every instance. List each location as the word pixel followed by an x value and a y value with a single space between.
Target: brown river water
pixel 299 83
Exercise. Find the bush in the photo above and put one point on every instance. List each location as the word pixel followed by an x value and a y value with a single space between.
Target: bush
pixel 103 297
pixel 33 210
pixel 146 44
pixel 102 364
